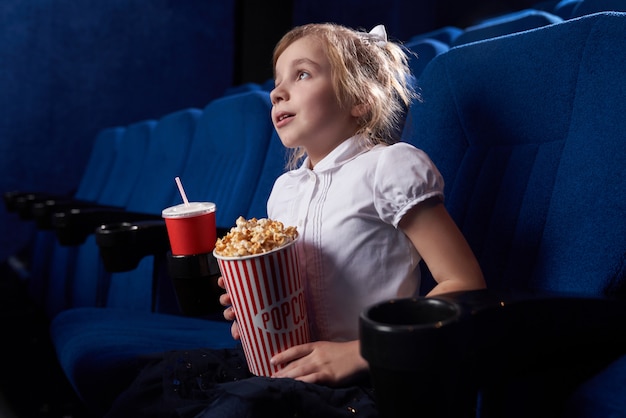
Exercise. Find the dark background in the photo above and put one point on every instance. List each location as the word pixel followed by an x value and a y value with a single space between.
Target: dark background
pixel 69 68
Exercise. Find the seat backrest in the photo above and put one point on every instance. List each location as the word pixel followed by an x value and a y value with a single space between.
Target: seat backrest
pixel 128 164
pixel 565 8
pixel 226 157
pixel 74 274
pixel 101 159
pixel 506 24
pixel 165 158
pixel 275 165
pixel 228 153
pixel 445 34
pixel 530 141
pixel 157 154
pixel 104 152
pixel 586 7
pixel 422 51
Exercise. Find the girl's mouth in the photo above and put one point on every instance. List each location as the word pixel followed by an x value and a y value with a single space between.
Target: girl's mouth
pixel 283 118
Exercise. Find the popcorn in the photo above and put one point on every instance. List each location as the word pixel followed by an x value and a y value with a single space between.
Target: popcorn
pixel 254 236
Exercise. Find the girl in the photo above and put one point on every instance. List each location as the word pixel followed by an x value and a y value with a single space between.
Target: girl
pixel 367 208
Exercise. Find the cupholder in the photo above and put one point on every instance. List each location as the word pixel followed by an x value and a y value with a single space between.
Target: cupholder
pixel 116 227
pixel 113 234
pixel 409 345
pixel 195 283
pixel 411 313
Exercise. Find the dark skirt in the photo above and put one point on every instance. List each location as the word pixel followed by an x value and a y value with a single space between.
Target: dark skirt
pixel 217 383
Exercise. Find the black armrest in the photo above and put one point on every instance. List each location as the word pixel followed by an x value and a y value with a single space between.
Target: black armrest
pixel 460 342
pixel 10 199
pixel 43 211
pixel 195 282
pixel 123 244
pixel 22 202
pixel 74 226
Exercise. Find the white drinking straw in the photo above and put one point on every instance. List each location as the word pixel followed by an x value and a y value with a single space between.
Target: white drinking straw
pixel 182 191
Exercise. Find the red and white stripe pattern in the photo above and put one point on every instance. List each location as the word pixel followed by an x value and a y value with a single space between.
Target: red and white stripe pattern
pixel 268 298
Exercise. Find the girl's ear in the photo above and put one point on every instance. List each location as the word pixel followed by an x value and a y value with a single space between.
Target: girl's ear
pixel 359 110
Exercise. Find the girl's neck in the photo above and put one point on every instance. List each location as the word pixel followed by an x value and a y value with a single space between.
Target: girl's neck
pixel 318 154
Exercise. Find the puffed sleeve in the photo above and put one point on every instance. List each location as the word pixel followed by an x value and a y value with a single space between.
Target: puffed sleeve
pixel 405 176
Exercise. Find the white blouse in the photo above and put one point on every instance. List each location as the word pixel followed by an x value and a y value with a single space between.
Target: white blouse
pixel 347 211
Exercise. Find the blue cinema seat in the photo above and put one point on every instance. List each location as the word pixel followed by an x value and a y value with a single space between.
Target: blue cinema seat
pixel 229 164
pixel 445 34
pixel 68 261
pixel 102 157
pixel 422 51
pixel 275 164
pixel 506 24
pixel 530 140
pixel 82 281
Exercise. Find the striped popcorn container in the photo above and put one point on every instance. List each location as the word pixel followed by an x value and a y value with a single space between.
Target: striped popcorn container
pixel 268 297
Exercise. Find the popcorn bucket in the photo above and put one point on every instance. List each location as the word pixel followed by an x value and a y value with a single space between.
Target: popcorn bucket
pixel 268 297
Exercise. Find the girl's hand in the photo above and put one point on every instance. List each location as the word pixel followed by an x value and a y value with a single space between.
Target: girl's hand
pixel 324 362
pixel 229 312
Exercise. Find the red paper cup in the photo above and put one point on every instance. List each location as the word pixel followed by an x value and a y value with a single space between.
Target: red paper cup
pixel 268 297
pixel 191 228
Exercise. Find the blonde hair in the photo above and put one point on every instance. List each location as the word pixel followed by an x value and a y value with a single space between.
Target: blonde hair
pixel 363 73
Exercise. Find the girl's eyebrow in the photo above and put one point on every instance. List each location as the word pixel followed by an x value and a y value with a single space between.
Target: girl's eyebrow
pixel 301 61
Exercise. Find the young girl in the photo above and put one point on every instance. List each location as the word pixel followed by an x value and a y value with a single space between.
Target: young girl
pixel 367 211
pixel 367 207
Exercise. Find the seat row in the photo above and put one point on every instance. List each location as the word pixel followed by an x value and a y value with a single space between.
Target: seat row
pixel 425 46
pixel 529 140
pixel 227 153
pixel 133 169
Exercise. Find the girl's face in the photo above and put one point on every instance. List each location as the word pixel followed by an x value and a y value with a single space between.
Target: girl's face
pixel 305 110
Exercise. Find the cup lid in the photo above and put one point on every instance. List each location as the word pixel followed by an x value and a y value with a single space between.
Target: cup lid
pixel 185 211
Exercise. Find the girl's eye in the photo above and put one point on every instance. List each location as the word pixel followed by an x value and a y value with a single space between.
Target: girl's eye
pixel 303 75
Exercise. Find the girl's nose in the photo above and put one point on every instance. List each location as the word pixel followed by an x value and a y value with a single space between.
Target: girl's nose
pixel 277 95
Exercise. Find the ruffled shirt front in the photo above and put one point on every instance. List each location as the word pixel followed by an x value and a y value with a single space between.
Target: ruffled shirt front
pixel 347 210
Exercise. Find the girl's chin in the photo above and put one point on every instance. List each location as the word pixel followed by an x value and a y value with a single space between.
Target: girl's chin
pixel 288 143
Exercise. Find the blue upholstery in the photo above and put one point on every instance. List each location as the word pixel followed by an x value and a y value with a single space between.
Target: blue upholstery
pixel 275 164
pixel 507 24
pixel 231 153
pixel 445 34
pixel 85 259
pixel 166 156
pixel 128 164
pixel 565 8
pixel 103 155
pixel 585 7
pixel 242 88
pixel 228 152
pixel 423 50
pixel 155 154
pixel 101 159
pixel 100 352
pixel 530 140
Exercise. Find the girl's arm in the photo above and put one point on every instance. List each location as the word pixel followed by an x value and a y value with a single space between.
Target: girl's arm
pixel 443 248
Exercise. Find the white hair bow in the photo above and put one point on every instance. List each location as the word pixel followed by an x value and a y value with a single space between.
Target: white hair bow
pixel 380 34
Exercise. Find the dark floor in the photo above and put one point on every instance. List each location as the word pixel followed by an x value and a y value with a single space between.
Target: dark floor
pixel 32 384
